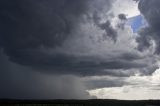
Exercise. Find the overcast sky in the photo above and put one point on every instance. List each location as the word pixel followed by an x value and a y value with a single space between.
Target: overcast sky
pixel 80 49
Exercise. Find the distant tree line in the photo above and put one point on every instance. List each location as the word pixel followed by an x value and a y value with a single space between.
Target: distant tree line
pixel 78 103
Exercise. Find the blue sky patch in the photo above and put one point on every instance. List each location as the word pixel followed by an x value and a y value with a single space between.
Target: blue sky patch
pixel 136 22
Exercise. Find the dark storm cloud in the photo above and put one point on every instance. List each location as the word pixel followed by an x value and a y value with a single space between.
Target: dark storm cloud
pixel 93 68
pixel 87 66
pixel 110 31
pixel 151 11
pixel 27 26
pixel 30 30
pixel 130 56
pixel 122 23
pixel 19 82
pixel 106 26
pixel 122 16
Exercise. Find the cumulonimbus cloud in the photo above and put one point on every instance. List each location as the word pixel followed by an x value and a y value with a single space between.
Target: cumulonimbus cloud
pixel 37 34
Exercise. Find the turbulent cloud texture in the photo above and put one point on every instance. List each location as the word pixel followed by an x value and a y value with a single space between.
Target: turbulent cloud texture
pixel 28 27
pixel 31 31
pixel 150 35
pixel 63 36
pixel 47 43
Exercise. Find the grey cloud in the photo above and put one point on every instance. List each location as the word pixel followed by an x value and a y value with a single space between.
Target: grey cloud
pixel 106 26
pixel 122 16
pixel 136 0
pixel 19 82
pixel 26 32
pixel 28 26
pixel 144 41
pixel 89 66
pixel 151 11
pixel 122 23
pixel 30 36
pixel 102 83
pixel 110 31
pixel 32 30
pixel 130 56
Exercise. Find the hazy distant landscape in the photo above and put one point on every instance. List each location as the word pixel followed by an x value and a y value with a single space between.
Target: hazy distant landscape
pixel 79 103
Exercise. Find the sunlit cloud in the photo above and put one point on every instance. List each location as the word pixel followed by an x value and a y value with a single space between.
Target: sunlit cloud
pixel 136 88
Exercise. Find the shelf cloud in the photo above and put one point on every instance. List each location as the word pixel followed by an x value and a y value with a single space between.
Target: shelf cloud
pixel 74 40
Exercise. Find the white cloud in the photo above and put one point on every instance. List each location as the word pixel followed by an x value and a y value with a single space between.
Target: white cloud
pixel 126 93
pixel 136 88
pixel 128 7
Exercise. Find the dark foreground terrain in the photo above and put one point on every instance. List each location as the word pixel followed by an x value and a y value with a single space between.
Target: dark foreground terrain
pixel 6 102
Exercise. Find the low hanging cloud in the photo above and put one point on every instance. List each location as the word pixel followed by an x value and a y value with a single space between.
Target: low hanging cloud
pixel 57 49
pixel 19 82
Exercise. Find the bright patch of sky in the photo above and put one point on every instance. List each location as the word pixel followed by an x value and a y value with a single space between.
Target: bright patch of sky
pixel 130 9
pixel 136 88
pixel 136 22
pixel 127 7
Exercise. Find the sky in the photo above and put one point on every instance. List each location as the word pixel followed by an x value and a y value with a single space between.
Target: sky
pixel 136 22
pixel 83 49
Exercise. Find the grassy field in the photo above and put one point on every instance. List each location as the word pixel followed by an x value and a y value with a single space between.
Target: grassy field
pixel 78 103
